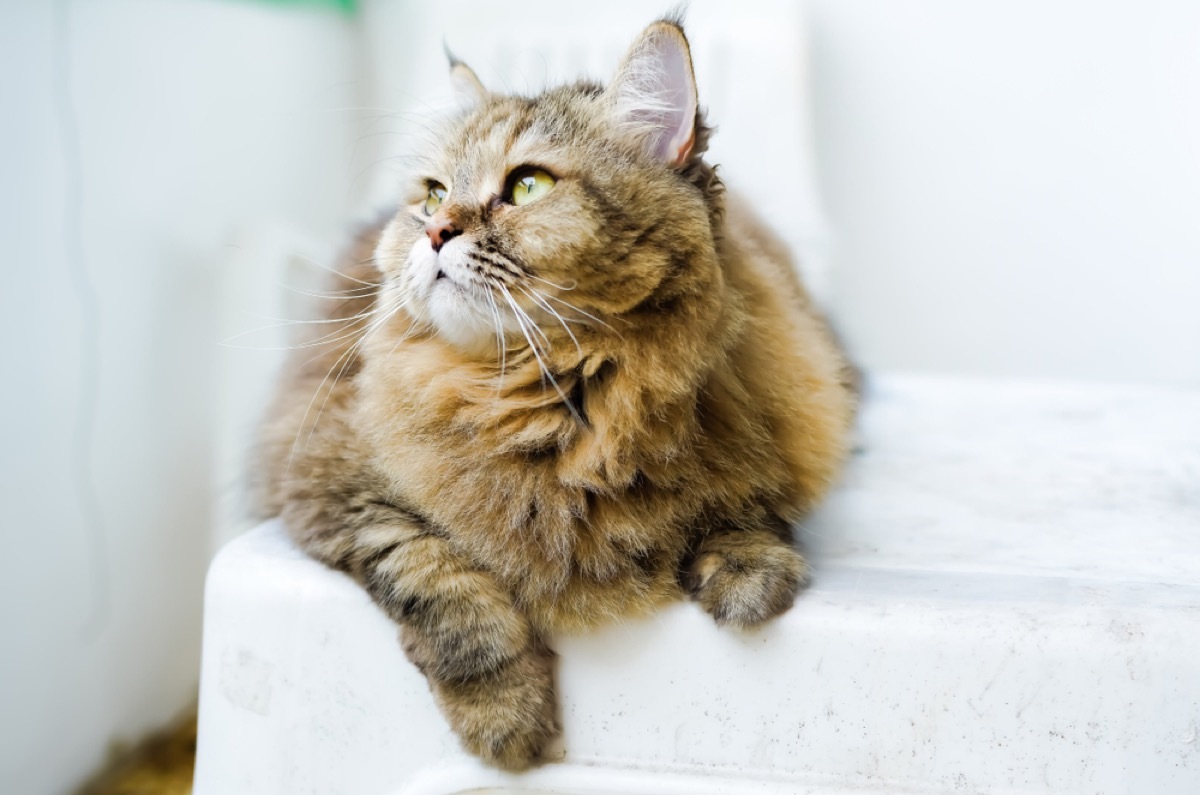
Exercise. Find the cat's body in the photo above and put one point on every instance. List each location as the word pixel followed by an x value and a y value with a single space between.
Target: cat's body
pixel 546 413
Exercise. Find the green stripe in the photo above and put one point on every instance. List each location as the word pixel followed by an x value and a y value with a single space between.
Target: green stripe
pixel 344 6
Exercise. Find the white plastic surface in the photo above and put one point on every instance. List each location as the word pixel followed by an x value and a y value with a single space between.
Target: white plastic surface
pixel 1006 599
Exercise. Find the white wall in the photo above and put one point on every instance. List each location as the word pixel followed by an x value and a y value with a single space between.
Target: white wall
pixel 1014 185
pixel 138 141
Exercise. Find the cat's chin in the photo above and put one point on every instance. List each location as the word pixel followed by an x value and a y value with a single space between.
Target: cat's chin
pixel 458 322
pixel 458 313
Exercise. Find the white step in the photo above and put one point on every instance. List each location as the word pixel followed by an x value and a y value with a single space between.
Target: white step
pixel 1006 599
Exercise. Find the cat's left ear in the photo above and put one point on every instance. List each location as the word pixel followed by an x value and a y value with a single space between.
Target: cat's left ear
pixel 468 89
pixel 654 93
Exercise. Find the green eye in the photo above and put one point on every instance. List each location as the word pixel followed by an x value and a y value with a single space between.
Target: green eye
pixel 437 195
pixel 531 185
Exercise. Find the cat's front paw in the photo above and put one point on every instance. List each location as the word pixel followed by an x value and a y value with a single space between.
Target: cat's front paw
pixel 744 579
pixel 507 716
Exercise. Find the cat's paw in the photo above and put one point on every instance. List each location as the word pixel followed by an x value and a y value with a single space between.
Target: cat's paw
pixel 507 716
pixel 744 579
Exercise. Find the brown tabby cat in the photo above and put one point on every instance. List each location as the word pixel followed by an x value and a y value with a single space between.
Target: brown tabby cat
pixel 570 382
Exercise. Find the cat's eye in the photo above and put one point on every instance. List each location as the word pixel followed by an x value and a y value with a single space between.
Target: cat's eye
pixel 529 185
pixel 435 197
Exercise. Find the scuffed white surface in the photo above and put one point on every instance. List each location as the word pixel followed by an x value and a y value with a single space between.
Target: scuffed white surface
pixel 1006 599
pixel 1020 478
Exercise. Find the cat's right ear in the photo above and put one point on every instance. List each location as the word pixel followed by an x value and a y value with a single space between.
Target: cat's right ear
pixel 468 90
pixel 654 93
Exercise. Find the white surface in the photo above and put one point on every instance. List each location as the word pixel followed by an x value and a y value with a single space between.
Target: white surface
pixel 135 142
pixel 1006 599
pixel 1013 185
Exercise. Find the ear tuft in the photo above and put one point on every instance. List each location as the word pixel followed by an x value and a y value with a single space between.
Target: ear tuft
pixel 468 90
pixel 654 93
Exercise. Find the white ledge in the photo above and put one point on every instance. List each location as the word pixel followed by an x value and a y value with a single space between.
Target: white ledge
pixel 1006 599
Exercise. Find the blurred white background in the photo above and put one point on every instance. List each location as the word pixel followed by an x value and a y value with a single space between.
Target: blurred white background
pixel 1010 189
pixel 1014 186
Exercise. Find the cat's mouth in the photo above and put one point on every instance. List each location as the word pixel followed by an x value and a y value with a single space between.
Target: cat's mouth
pixel 443 275
pixel 457 284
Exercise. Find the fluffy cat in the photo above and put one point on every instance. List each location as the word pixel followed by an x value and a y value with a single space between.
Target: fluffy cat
pixel 570 380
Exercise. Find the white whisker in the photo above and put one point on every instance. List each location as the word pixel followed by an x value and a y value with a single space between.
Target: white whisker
pixel 335 271
pixel 500 341
pixel 344 361
pixel 326 339
pixel 334 295
pixel 538 299
pixel 413 327
pixel 537 355
pixel 574 308
pixel 553 284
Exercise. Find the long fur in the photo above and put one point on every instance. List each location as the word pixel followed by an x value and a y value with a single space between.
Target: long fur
pixel 655 402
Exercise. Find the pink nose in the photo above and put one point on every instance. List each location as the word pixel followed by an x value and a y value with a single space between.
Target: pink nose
pixel 440 230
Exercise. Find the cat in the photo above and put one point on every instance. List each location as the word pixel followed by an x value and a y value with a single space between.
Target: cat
pixel 570 380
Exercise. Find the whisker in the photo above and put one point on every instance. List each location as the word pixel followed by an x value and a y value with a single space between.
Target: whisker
pixel 413 327
pixel 574 308
pixel 524 324
pixel 352 293
pixel 499 324
pixel 335 271
pixel 534 326
pixel 329 339
pixel 537 299
pixel 552 284
pixel 344 361
pixel 285 321
pixel 326 339
pixel 541 363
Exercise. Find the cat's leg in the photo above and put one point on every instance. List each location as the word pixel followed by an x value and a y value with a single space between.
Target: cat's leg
pixel 490 673
pixel 745 576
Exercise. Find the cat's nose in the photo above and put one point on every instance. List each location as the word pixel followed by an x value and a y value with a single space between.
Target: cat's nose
pixel 440 231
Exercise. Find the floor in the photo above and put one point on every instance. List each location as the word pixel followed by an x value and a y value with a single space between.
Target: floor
pixel 161 764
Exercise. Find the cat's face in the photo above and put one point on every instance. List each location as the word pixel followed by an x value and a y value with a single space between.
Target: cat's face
pixel 533 216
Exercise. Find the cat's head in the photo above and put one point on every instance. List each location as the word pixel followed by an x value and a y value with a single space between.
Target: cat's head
pixel 563 212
